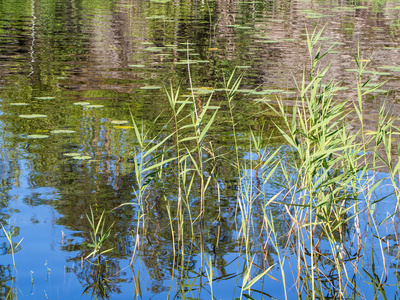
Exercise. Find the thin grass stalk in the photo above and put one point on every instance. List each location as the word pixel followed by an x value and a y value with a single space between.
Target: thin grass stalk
pixel 230 93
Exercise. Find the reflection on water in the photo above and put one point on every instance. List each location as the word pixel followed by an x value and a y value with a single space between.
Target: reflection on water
pixel 87 66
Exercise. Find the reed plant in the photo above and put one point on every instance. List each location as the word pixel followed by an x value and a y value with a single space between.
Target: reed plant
pixel 10 292
pixel 329 175
pixel 323 178
pixel 98 235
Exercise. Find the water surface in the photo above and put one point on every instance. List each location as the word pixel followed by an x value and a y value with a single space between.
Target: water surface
pixel 118 56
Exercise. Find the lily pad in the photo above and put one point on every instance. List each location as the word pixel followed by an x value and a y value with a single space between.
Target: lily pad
pixel 32 116
pixel 203 90
pixel 44 98
pixel 37 136
pixel 267 92
pixel 391 68
pixel 72 154
pixel 82 103
pixel 62 131
pixel 123 127
pixel 185 62
pixel 94 106
pixel 157 18
pixel 118 122
pixel 19 104
pixel 82 157
pixel 150 87
pixel 154 49
pixel 245 91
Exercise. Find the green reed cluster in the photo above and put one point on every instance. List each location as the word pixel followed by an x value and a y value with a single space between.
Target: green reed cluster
pixel 327 182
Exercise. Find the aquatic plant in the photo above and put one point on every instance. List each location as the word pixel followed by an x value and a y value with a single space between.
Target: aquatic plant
pixel 10 292
pixel 305 196
pixel 98 235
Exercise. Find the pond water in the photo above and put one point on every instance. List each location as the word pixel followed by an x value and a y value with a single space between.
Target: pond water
pixel 73 76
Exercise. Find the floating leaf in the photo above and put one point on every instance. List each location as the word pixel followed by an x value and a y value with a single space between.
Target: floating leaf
pixel 157 18
pixel 267 92
pixel 37 136
pixel 203 90
pixel 82 103
pixel 94 106
pixel 363 60
pixel 62 131
pixel 150 87
pixel 391 68
pixel 380 73
pixel 245 91
pixel 124 127
pixel 119 122
pixel 32 116
pixel 160 1
pixel 19 104
pixel 83 157
pixel 155 49
pixel 44 98
pixel 72 154
pixel 185 62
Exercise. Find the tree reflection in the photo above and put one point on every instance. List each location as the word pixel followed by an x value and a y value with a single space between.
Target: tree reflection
pixel 8 290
